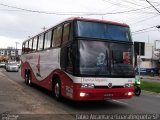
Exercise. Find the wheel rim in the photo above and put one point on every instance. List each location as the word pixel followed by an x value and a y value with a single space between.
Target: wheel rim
pixel 56 89
pixel 26 76
pixel 29 81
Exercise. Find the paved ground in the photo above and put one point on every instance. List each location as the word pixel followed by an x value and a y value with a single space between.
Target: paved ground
pixel 16 100
pixel 34 103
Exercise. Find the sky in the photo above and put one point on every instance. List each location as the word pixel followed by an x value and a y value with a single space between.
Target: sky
pixel 20 19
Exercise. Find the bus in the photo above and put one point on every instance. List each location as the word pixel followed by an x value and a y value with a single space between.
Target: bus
pixel 81 59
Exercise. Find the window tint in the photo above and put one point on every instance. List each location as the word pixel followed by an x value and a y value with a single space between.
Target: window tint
pixel 47 42
pixel 40 42
pixel 35 44
pixel 94 57
pixel 26 47
pixel 121 59
pixel 23 48
pixel 30 45
pixel 66 33
pixel 57 35
pixel 102 31
pixel 67 59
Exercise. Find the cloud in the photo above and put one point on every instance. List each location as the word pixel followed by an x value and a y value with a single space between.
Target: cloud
pixel 18 25
pixel 10 42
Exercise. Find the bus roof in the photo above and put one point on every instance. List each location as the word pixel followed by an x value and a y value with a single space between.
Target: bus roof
pixel 82 19
pixel 96 20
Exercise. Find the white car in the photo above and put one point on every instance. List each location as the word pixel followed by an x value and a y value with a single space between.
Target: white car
pixel 12 67
pixel 2 64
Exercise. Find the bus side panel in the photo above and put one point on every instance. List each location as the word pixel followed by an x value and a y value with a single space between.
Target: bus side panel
pixel 46 83
pixel 66 82
pixel 67 85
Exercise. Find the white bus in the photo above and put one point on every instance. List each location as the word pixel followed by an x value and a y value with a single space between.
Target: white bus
pixel 81 59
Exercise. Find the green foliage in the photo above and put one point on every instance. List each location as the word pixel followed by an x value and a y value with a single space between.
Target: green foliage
pixel 151 86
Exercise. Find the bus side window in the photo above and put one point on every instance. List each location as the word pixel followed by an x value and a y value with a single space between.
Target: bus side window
pixel 57 36
pixel 35 44
pixel 66 32
pixel 23 48
pixel 26 47
pixel 47 41
pixel 30 45
pixel 67 58
pixel 40 42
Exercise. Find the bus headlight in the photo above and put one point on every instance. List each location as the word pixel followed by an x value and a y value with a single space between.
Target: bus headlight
pixel 128 85
pixel 129 93
pixel 85 85
pixel 82 94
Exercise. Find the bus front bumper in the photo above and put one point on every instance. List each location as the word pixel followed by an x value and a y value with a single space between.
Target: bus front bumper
pixel 103 94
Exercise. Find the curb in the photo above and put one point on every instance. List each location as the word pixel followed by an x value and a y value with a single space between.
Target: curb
pixel 153 93
pixel 152 78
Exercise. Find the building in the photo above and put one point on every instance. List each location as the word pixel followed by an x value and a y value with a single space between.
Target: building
pixel 10 54
pixel 150 61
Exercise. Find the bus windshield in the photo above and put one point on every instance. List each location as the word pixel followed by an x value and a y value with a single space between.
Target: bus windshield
pixel 102 31
pixel 104 58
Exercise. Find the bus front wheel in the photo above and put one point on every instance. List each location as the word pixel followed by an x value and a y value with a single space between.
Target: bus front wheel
pixel 56 89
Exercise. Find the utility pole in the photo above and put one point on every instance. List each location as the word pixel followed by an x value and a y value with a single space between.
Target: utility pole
pixel 139 63
pixel 16 51
pixel 44 28
pixel 158 26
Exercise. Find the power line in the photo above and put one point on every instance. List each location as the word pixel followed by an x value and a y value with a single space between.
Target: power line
pixel 145 19
pixel 72 13
pixel 153 6
pixel 133 3
pixel 143 32
pixel 144 29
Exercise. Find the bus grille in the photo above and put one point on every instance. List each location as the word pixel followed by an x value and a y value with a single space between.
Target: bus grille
pixel 108 87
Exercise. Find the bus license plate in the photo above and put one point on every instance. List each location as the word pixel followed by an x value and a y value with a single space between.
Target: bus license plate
pixel 108 95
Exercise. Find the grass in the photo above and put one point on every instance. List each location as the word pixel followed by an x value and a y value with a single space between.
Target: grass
pixel 150 86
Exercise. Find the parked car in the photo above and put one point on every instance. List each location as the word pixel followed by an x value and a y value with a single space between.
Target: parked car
pixel 19 64
pixel 12 67
pixel 2 64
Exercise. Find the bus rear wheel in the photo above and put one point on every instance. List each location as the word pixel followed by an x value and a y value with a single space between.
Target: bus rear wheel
pixel 28 79
pixel 56 89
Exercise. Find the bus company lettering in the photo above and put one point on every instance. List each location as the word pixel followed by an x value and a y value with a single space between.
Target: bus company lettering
pixel 130 81
pixel 97 80
pixel 101 80
pixel 88 80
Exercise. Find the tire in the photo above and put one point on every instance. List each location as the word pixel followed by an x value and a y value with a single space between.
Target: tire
pixel 28 79
pixel 137 91
pixel 56 89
